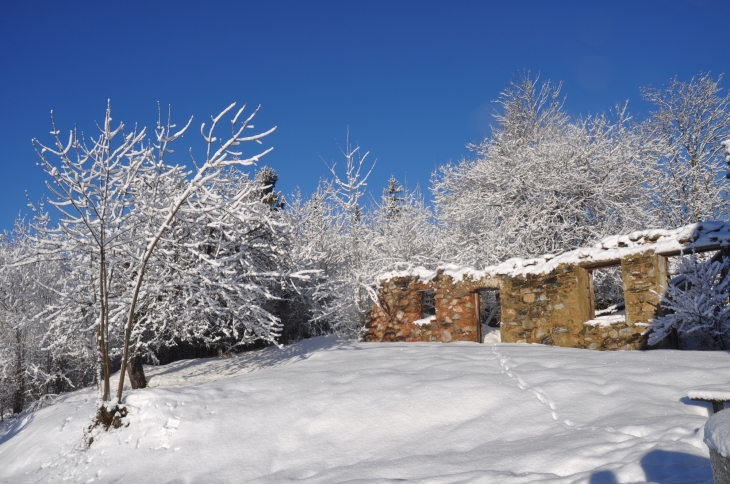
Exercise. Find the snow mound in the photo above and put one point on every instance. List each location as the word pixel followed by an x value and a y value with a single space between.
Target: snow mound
pixel 717 433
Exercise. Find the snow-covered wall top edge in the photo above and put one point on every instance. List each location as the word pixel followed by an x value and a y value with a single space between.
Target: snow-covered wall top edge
pixel 699 237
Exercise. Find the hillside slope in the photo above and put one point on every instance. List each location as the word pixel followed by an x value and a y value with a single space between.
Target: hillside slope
pixel 330 411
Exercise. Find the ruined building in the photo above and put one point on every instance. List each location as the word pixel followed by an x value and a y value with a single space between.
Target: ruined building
pixel 549 299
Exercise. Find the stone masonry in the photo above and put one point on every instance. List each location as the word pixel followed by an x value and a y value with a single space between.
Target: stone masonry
pixel 553 308
pixel 550 308
pixel 400 306
pixel 546 300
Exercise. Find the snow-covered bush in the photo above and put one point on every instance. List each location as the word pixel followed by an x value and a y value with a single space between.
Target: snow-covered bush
pixel 696 305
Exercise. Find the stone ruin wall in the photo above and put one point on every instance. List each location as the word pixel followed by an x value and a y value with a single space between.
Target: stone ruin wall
pixel 552 308
pixel 401 304
pixel 548 308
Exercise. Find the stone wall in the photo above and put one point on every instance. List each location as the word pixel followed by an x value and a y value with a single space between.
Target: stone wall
pixel 645 277
pixel 553 308
pixel 399 305
pixel 457 316
pixel 545 308
pixel 547 299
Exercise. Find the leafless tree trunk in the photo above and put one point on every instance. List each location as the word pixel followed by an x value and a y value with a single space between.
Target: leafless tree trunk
pixel 135 370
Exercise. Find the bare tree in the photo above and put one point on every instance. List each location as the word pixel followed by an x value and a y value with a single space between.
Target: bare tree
pixel 118 198
pixel 684 138
pixel 349 189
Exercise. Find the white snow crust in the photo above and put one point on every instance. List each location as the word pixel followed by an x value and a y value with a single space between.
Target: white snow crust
pixel 326 410
pixel 607 319
pixel 713 392
pixel 699 236
pixel 421 322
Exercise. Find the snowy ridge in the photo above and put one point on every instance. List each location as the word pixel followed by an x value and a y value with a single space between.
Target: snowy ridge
pixel 699 236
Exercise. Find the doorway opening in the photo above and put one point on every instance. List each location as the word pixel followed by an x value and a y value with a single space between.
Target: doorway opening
pixel 489 310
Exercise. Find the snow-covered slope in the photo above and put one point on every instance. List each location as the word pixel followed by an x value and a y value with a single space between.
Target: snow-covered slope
pixel 332 411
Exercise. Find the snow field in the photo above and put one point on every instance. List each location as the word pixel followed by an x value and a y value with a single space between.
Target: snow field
pixel 331 411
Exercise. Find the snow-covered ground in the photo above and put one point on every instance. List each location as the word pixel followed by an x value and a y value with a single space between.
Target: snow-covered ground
pixel 331 411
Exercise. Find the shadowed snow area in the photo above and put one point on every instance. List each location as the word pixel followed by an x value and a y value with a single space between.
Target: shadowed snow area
pixel 330 411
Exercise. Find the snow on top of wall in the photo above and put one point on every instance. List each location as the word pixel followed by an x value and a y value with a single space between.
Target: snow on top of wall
pixel 697 236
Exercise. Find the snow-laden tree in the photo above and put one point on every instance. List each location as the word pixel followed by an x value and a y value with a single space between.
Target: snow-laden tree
pixel 33 366
pixel 92 184
pixel 542 183
pixel 343 245
pixel 352 290
pixel 316 226
pixel 216 270
pixel 403 230
pixel 119 198
pixel 334 246
pixel 696 305
pixel 22 298
pixel 685 135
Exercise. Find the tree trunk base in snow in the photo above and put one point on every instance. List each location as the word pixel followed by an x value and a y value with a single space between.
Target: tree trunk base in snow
pixel 135 370
pixel 720 467
pixel 106 417
pixel 111 416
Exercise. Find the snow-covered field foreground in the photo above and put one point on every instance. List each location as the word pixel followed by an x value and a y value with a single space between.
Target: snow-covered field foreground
pixel 331 411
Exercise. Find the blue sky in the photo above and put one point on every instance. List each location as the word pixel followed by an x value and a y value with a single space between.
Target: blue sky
pixel 413 80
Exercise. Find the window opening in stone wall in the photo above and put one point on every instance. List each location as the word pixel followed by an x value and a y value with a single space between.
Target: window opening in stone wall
pixel 428 304
pixel 675 263
pixel 606 292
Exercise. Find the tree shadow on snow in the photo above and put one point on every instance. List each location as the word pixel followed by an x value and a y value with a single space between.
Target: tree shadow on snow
pixel 197 370
pixel 603 477
pixel 666 467
pixel 10 429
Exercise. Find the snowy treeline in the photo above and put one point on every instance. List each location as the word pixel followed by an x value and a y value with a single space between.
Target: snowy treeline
pixel 143 259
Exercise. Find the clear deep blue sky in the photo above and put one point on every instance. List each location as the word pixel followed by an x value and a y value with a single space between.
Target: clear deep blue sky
pixel 413 80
